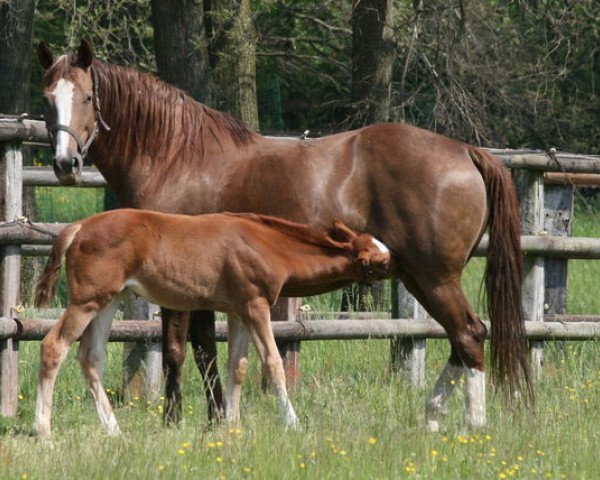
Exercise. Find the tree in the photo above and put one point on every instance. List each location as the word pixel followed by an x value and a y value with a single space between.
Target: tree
pixel 181 46
pixel 232 49
pixel 373 54
pixel 16 36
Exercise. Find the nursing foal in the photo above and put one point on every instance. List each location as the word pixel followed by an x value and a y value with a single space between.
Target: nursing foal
pixel 234 263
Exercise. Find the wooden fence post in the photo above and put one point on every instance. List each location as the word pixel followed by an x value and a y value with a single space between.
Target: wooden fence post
pixel 407 354
pixel 11 166
pixel 142 361
pixel 530 188
pixel 558 221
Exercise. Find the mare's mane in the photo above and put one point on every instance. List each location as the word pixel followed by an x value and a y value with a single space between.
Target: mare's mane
pixel 154 120
pixel 299 231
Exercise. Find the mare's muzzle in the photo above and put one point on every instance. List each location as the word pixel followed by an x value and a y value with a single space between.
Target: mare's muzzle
pixel 68 169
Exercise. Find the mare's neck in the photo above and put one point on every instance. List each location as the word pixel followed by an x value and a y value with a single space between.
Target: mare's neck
pixel 155 131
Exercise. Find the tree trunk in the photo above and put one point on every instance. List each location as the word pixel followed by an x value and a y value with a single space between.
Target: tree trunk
pixel 233 57
pixel 16 38
pixel 373 54
pixel 181 47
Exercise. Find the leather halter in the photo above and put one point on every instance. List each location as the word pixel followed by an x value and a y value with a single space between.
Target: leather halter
pixel 83 148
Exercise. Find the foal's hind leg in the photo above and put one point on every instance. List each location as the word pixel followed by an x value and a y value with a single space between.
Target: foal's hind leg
pixel 446 302
pixel 258 321
pixel 54 349
pixel 92 351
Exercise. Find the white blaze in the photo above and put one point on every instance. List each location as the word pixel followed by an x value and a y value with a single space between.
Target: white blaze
pixel 63 95
pixel 381 246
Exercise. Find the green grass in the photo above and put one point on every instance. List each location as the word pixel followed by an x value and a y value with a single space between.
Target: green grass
pixel 359 420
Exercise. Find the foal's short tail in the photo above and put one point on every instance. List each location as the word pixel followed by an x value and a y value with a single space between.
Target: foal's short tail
pixel 46 287
pixel 503 277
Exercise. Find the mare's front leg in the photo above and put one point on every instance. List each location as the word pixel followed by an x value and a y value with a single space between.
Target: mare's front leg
pixel 91 355
pixel 54 349
pixel 237 340
pixel 257 319
pixel 204 345
pixel 174 336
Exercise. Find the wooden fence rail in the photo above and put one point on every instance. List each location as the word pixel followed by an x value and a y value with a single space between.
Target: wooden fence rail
pixel 303 330
pixel 546 215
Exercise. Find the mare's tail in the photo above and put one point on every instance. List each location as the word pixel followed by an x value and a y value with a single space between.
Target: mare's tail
pixel 46 287
pixel 504 276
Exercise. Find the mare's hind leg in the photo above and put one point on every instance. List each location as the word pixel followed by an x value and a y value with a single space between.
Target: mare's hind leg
pixel 92 351
pixel 54 349
pixel 175 330
pixel 204 345
pixel 237 340
pixel 257 319
pixel 446 302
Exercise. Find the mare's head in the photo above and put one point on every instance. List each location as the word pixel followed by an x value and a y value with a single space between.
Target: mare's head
pixel 72 108
pixel 371 257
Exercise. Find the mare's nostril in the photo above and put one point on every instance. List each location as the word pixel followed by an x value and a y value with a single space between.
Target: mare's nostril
pixel 76 162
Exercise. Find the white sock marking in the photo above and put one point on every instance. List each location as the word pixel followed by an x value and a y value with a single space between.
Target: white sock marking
pixel 474 398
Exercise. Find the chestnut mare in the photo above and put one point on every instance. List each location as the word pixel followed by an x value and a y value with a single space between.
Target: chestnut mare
pixel 428 198
pixel 234 263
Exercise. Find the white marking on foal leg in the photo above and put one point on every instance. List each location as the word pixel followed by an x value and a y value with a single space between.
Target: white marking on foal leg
pixel 437 402
pixel 474 398
pixel 92 351
pixel 63 94
pixel 238 340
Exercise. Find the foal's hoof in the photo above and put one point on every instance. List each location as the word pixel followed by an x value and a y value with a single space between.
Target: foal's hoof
pixel 433 426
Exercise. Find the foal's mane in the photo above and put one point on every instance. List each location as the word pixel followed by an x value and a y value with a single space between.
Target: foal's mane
pixel 299 231
pixel 156 120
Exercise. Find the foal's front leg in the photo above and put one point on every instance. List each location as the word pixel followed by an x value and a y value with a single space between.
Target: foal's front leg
pixel 53 350
pixel 258 321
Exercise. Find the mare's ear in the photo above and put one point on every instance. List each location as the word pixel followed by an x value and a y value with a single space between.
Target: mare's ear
pixel 44 55
pixel 342 231
pixel 85 55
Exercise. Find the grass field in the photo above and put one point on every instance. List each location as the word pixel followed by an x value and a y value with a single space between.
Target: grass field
pixel 359 421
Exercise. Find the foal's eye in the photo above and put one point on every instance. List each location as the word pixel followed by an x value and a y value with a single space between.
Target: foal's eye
pixel 88 98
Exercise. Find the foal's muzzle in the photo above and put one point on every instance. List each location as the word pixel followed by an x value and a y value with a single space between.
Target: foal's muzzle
pixel 68 168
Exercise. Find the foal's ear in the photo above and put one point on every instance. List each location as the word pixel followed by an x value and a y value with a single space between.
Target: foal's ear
pixel 342 230
pixel 85 55
pixel 44 55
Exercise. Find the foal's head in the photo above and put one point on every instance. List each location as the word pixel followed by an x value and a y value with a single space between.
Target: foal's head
pixel 72 108
pixel 372 257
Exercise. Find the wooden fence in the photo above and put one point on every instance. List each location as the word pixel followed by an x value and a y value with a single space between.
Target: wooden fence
pixel 545 183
